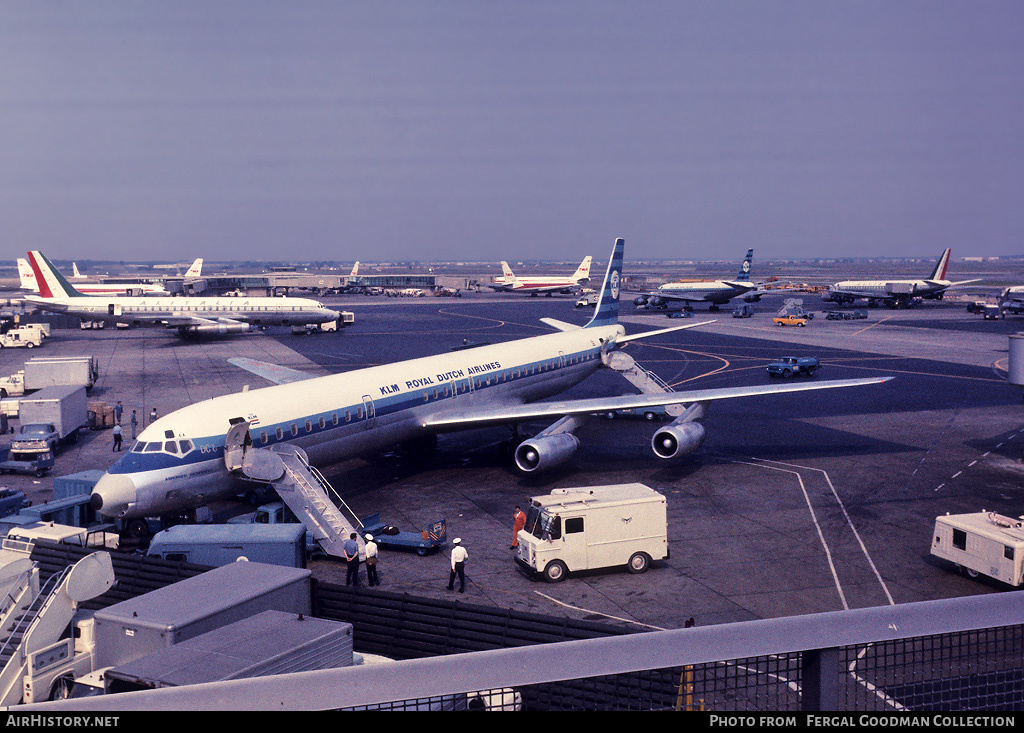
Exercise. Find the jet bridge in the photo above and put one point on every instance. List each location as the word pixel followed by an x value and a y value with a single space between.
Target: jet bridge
pixel 302 487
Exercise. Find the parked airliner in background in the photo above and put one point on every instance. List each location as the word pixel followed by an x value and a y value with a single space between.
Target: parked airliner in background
pixel 190 315
pixel 895 293
pixel 534 284
pixel 29 284
pixel 715 292
pixel 179 461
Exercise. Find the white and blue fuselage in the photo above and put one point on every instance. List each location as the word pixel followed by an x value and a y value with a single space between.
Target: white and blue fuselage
pixel 179 459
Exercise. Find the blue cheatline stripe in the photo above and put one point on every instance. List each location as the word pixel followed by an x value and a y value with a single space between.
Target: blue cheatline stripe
pixel 212 447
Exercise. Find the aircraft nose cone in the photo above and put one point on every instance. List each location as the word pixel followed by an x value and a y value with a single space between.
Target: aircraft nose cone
pixel 113 494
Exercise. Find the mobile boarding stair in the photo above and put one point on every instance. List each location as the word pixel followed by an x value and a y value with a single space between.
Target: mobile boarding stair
pixel 301 486
pixel 645 381
pixel 34 618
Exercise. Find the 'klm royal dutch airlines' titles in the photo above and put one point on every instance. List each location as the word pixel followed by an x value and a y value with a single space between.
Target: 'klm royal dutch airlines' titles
pixel 428 381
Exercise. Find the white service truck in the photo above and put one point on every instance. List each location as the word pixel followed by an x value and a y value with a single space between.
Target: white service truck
pixel 593 527
pixel 13 386
pixel 21 337
pixel 982 543
pixel 49 418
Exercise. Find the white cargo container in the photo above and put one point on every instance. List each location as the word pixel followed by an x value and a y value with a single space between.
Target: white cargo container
pixel 56 371
pixel 982 543
pixel 594 527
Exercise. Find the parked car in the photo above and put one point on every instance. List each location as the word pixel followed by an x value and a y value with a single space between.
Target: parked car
pixel 789 321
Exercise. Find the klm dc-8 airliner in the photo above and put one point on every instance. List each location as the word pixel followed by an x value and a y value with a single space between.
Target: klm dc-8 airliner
pixel 179 460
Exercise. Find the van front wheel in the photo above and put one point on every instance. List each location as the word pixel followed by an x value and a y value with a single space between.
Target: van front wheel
pixel 555 571
pixel 639 562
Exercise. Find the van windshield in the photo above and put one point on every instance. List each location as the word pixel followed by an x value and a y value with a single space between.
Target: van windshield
pixel 543 525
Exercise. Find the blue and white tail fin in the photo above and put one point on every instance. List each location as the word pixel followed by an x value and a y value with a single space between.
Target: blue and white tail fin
pixel 51 284
pixel 607 311
pixel 744 273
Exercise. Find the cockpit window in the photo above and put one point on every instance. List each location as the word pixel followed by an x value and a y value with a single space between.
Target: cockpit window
pixel 138 447
pixel 153 447
pixel 168 434
pixel 171 446
pixel 186 446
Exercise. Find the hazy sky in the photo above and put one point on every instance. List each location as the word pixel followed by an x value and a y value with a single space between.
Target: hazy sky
pixel 490 130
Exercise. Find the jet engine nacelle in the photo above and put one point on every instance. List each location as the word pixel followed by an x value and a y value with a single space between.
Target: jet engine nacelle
pixel 541 453
pixel 218 329
pixel 640 300
pixel 674 440
pixel 752 298
pixel 656 302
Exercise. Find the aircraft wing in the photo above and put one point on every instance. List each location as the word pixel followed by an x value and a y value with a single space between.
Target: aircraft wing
pixel 185 320
pixel 668 296
pixel 271 372
pixel 486 415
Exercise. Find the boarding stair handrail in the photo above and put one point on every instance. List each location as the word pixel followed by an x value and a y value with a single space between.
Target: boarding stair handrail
pixel 647 382
pixel 22 583
pixel 330 526
pixel 13 654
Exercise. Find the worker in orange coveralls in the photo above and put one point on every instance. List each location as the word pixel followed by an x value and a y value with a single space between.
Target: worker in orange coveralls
pixel 518 522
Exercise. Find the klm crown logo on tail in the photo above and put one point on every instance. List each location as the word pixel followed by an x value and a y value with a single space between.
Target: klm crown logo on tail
pixel 607 311
pixel 744 273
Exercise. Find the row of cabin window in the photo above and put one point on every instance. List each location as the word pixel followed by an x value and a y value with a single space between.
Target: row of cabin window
pixel 506 376
pixel 219 308
pixel 321 422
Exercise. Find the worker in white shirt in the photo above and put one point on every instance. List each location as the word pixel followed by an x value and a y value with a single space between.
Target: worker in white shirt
pixel 370 549
pixel 459 557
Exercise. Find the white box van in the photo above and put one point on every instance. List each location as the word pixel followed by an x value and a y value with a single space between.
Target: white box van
pixel 982 543
pixel 594 527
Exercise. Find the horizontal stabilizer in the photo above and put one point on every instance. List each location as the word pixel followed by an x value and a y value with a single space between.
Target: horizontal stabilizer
pixel 498 415
pixel 271 372
pixel 560 325
pixel 953 284
pixel 670 329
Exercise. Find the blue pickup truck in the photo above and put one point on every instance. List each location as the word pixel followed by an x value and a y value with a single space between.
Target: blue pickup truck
pixel 791 366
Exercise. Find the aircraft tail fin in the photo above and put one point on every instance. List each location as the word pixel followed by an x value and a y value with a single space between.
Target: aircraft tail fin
pixel 28 278
pixel 939 273
pixel 607 311
pixel 583 271
pixel 75 273
pixel 51 283
pixel 507 271
pixel 744 273
pixel 355 270
pixel 196 269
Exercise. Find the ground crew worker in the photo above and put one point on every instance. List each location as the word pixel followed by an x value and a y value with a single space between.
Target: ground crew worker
pixel 351 548
pixel 459 557
pixel 371 561
pixel 518 522
pixel 117 438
